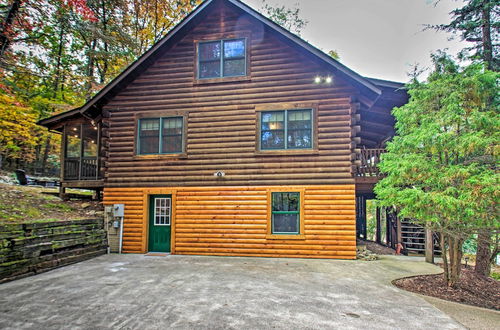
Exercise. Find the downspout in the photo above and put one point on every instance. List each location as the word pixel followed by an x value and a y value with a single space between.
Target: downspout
pixel 121 236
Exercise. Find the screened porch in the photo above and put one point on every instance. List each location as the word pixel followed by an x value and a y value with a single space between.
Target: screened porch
pixel 81 152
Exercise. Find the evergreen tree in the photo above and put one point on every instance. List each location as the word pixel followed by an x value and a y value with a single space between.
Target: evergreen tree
pixel 441 165
pixel 478 22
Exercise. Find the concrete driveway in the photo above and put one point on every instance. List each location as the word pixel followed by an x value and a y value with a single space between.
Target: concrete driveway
pixel 147 292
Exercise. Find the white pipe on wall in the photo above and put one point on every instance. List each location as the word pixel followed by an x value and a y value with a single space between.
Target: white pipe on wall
pixel 121 236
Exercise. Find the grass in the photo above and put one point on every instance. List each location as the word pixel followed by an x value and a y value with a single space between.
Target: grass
pixel 19 204
pixel 58 206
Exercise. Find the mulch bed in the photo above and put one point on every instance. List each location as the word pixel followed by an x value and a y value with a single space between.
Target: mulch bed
pixel 472 290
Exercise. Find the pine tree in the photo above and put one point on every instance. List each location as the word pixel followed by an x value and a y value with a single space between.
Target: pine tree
pixel 478 22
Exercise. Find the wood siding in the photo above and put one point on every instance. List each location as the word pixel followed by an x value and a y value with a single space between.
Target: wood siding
pixel 221 117
pixel 232 221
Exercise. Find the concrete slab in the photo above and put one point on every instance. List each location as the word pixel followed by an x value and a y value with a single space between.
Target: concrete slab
pixel 473 318
pixel 155 292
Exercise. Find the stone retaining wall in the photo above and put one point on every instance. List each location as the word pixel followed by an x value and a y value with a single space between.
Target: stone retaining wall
pixel 31 248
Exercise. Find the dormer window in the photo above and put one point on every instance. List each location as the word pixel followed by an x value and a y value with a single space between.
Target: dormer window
pixel 222 58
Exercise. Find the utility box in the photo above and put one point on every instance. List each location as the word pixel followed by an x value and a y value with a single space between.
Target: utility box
pixel 113 231
pixel 118 210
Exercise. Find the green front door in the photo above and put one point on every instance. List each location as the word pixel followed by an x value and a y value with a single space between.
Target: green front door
pixel 160 218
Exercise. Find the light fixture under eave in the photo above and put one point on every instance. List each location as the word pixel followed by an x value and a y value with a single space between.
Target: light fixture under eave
pixel 329 80
pixel 317 79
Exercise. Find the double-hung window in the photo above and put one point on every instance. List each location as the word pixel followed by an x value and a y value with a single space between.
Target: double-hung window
pixel 286 129
pixel 160 136
pixel 222 58
pixel 285 213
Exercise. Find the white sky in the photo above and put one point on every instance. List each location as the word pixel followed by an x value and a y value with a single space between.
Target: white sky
pixel 376 38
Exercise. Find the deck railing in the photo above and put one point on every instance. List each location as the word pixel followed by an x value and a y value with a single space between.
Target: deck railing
pixel 368 160
pixel 81 169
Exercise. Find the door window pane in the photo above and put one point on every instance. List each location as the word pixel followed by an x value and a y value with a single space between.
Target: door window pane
pixel 149 136
pixel 162 211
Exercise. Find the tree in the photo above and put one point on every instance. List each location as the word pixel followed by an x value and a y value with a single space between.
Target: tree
pixel 289 18
pixel 441 165
pixel 478 22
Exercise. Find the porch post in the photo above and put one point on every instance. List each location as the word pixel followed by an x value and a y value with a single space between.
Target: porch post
pixel 62 190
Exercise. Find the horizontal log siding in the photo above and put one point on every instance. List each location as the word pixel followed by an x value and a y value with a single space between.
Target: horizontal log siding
pixel 232 221
pixel 221 132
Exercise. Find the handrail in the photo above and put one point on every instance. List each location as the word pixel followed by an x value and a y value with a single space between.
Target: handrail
pixel 368 160
pixel 85 168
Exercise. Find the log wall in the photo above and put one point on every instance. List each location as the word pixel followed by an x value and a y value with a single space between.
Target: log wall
pixel 221 117
pixel 233 221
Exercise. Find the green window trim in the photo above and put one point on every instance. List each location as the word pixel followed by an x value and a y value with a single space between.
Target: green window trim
pixel 285 130
pixel 161 135
pixel 288 212
pixel 222 59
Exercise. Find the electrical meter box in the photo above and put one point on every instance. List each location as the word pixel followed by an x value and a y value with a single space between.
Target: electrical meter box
pixel 118 210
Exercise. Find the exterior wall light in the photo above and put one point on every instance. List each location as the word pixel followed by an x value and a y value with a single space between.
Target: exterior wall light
pixel 326 79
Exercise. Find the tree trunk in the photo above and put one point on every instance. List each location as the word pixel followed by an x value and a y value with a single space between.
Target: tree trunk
pixel 429 246
pixel 451 252
pixel 486 35
pixel 60 47
pixel 90 70
pixel 6 27
pixel 455 251
pixel 46 154
pixel 444 254
pixel 483 254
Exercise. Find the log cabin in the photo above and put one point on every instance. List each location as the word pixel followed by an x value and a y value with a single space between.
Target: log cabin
pixel 232 136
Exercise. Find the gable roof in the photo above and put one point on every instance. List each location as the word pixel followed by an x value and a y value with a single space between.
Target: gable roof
pixel 368 86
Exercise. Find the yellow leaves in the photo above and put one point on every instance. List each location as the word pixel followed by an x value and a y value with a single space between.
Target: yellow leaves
pixel 19 133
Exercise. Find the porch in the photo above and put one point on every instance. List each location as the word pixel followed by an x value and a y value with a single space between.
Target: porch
pixel 80 161
pixel 381 224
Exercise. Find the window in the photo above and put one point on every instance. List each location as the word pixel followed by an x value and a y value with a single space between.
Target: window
pixel 222 58
pixel 162 211
pixel 287 129
pixel 160 136
pixel 285 213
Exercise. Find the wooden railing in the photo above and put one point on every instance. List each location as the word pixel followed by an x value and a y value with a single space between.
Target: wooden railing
pixel 367 162
pixel 81 169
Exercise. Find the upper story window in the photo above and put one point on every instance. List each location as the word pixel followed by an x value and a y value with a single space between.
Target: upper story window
pixel 286 129
pixel 222 58
pixel 161 136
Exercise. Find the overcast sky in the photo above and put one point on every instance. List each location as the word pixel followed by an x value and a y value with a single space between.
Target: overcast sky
pixel 376 38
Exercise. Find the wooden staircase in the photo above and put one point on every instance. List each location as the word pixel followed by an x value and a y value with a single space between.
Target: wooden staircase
pixel 413 238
